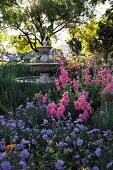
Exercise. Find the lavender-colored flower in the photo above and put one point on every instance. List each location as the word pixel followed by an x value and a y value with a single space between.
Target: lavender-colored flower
pixel 81 127
pixel 67 139
pixel 76 130
pixel 49 132
pixel 98 152
pixel 33 141
pixel 25 141
pixel 13 125
pixel 24 153
pixel 6 165
pixel 43 131
pixel 2 155
pixel 59 164
pixel 2 145
pixel 36 130
pixel 95 168
pixel 69 150
pixel 28 130
pixel 60 145
pixel 45 122
pixel 45 137
pixel 77 156
pixel 22 164
pixel 79 142
pixel 109 165
pixel 15 138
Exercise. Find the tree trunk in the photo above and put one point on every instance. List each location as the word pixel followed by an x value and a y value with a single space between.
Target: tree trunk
pixel 106 57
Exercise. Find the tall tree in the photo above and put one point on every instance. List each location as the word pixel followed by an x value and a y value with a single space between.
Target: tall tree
pixel 75 45
pixel 42 19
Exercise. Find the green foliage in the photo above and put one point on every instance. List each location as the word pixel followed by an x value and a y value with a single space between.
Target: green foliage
pixel 103 117
pixel 39 20
pixel 12 93
pixel 75 45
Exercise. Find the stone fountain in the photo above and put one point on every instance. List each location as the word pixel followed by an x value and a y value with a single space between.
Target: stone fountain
pixel 43 67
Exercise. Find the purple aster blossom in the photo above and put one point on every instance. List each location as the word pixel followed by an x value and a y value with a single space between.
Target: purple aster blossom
pixel 28 130
pixel 109 165
pixel 67 139
pixel 79 142
pixel 33 141
pixel 2 146
pixel 76 130
pixel 13 125
pixel 15 138
pixel 1 117
pixel 6 165
pixel 21 146
pixel 81 127
pixel 98 142
pixel 43 131
pixel 95 168
pixel 77 156
pixel 24 153
pixel 36 130
pixel 45 122
pixel 49 132
pixel 2 155
pixel 60 145
pixel 22 164
pixel 25 141
pixel 69 150
pixel 59 164
pixel 45 137
pixel 98 152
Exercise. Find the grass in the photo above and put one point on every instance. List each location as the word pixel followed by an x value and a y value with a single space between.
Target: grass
pixel 13 93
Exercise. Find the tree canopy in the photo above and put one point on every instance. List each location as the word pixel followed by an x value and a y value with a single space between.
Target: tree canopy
pixel 42 19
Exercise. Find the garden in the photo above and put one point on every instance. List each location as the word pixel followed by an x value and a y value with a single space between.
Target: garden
pixel 67 123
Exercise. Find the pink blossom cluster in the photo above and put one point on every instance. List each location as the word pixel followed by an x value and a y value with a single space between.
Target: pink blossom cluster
pixel 43 98
pixel 108 88
pixel 57 85
pixel 74 84
pixel 83 105
pixel 64 76
pixel 58 110
pixel 104 76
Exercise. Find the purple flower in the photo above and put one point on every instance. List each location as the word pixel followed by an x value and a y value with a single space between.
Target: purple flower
pixel 25 141
pixel 24 153
pixel 2 155
pixel 36 130
pixel 33 141
pixel 60 144
pixel 59 164
pixel 6 165
pixel 76 130
pixel 15 138
pixel 49 132
pixel 79 142
pixel 22 164
pixel 45 122
pixel 81 127
pixel 95 168
pixel 109 165
pixel 69 150
pixel 67 139
pixel 13 125
pixel 98 152
pixel 77 156
pixel 45 137
pixel 28 130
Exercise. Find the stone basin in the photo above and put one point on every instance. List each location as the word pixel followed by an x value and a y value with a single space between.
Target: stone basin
pixel 44 49
pixel 44 67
